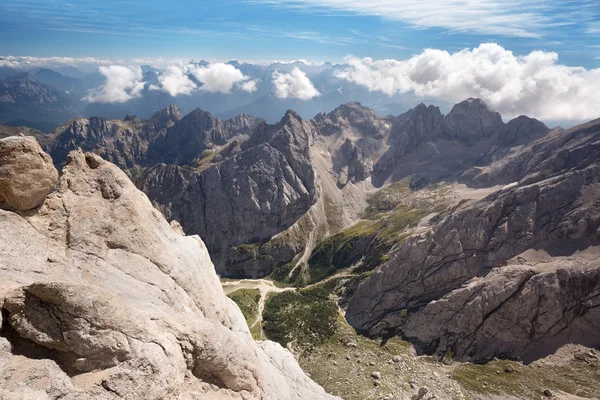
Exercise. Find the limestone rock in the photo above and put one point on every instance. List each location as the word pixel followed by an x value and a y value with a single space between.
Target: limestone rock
pixel 27 174
pixel 467 286
pixel 468 122
pixel 248 197
pixel 102 299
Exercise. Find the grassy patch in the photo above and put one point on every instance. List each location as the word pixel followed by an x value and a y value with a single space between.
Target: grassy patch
pixel 529 381
pixel 204 160
pixel 346 371
pixel 302 320
pixel 387 199
pixel 247 300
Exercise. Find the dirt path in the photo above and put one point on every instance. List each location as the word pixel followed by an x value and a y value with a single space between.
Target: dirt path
pixel 263 286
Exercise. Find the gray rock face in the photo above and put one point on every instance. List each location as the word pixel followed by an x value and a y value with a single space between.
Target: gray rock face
pixel 196 132
pixel 450 288
pixel 352 115
pixel 246 198
pixel 102 299
pixel 409 130
pixel 27 174
pixel 554 153
pixel 350 164
pixel 124 143
pixel 521 130
pixel 469 122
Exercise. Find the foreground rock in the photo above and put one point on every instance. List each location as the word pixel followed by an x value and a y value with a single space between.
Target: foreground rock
pixel 513 275
pixel 26 173
pixel 102 299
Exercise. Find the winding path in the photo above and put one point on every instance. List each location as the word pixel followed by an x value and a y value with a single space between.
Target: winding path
pixel 264 287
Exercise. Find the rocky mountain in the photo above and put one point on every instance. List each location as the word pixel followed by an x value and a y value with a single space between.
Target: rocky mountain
pixel 6 131
pixel 513 275
pixel 25 101
pixel 125 142
pixel 242 182
pixel 243 193
pixel 103 299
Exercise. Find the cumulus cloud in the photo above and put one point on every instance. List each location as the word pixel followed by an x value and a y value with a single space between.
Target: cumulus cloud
pixel 294 85
pixel 181 79
pixel 249 86
pixel 534 84
pixel 175 81
pixel 218 77
pixel 122 84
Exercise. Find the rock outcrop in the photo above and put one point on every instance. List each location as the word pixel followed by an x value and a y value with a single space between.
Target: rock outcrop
pixel 27 174
pixel 196 132
pixel 554 153
pixel 246 198
pixel 102 299
pixel 124 143
pixel 459 287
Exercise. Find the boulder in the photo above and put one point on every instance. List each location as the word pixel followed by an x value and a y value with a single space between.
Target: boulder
pixel 27 174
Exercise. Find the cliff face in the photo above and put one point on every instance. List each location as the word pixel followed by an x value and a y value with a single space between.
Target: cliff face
pixel 515 274
pixel 261 189
pixel 101 298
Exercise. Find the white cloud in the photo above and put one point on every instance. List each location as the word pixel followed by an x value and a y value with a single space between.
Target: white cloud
pixel 535 84
pixel 294 85
pixel 217 77
pixel 524 18
pixel 175 81
pixel 249 86
pixel 179 78
pixel 122 84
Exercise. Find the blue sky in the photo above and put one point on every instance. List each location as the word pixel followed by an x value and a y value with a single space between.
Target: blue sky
pixel 324 30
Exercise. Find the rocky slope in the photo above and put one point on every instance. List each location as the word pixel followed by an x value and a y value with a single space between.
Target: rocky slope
pixel 102 299
pixel 25 101
pixel 257 189
pixel 514 275
pixel 262 196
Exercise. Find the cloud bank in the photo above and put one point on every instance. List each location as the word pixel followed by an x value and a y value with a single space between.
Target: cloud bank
pixel 125 83
pixel 294 85
pixel 122 84
pixel 534 84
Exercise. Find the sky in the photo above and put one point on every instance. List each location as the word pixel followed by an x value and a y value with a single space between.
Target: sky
pixel 314 30
pixel 534 57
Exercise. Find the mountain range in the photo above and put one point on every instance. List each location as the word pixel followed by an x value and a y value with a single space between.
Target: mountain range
pixel 43 98
pixel 471 237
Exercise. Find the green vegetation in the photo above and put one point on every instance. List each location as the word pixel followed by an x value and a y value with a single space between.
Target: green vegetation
pixel 203 161
pixel 387 199
pixel 247 300
pixel 250 250
pixel 303 320
pixel 529 381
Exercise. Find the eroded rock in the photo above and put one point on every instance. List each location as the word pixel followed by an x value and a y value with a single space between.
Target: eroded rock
pixel 27 174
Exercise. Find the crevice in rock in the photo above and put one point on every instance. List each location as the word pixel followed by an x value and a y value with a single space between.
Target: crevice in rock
pixel 27 348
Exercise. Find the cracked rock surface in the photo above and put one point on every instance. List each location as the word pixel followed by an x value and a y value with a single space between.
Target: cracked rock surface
pixel 102 299
pixel 515 274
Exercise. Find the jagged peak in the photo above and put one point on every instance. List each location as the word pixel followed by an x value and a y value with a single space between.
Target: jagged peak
pixel 470 104
pixel 170 111
pixel 291 115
